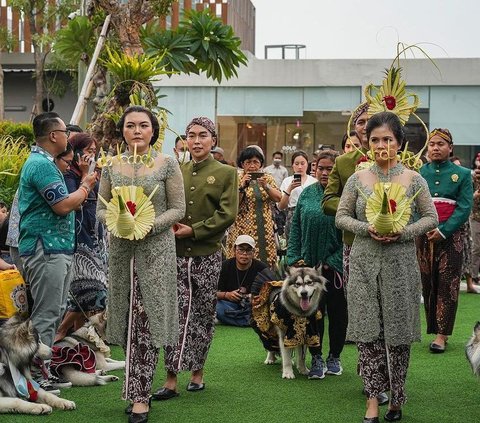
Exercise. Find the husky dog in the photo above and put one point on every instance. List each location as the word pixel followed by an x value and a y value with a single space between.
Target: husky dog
pixel 472 350
pixel 89 335
pixel 296 301
pixel 19 342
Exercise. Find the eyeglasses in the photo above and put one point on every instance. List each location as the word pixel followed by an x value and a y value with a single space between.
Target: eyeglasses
pixel 65 131
pixel 252 162
pixel 68 162
pixel 247 251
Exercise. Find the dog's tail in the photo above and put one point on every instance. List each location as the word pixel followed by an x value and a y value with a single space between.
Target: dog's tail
pixel 79 378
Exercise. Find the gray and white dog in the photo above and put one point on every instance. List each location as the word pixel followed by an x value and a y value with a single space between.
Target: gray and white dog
pixel 472 350
pixel 19 343
pixel 300 296
pixel 91 334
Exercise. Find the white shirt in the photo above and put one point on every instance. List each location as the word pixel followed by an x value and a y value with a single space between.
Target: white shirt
pixel 279 173
pixel 292 200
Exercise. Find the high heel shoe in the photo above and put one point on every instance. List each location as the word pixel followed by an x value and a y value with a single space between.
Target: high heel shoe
pixel 393 415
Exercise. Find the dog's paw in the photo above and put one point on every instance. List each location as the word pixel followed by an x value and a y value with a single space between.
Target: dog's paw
pixel 270 358
pixel 288 374
pixel 64 404
pixel 303 370
pixel 38 408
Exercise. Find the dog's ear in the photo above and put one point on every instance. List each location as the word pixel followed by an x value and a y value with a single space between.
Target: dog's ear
pixel 319 268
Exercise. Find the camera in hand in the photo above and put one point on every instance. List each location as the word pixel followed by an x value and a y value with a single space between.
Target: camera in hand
pixel 255 175
pixel 245 301
pixel 297 177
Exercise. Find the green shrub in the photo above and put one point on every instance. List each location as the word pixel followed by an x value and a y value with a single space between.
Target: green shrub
pixel 13 153
pixel 20 131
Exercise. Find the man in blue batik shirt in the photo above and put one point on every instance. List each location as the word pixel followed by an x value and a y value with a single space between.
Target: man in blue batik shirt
pixel 47 227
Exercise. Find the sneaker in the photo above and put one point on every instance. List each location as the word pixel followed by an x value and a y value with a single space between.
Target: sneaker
pixel 48 387
pixel 58 382
pixel 318 368
pixel 334 366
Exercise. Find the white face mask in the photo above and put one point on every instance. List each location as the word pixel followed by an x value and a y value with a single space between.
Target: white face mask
pixel 183 157
pixel 277 162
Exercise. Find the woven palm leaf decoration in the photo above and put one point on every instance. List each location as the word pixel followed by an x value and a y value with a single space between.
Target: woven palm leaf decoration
pixel 388 208
pixel 391 96
pixel 130 213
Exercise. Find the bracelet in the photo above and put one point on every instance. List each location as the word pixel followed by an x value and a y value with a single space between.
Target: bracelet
pixel 267 188
pixel 86 187
pixel 84 190
pixel 286 193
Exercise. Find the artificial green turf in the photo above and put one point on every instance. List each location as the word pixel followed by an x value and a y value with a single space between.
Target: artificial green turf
pixel 240 388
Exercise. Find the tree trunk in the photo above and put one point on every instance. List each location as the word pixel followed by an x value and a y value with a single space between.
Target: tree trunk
pixel 39 64
pixel 129 36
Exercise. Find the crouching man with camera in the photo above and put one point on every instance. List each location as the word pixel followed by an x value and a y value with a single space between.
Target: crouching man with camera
pixel 236 278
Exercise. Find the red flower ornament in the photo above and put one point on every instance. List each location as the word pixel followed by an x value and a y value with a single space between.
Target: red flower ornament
pixel 393 205
pixel 132 207
pixel 390 102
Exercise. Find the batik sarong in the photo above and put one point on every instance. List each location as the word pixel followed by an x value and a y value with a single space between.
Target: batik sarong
pixel 197 297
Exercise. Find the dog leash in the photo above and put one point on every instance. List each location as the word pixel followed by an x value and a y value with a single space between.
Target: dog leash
pixel 78 304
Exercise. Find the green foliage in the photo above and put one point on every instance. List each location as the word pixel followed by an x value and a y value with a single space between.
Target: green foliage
pixel 175 49
pixel 20 131
pixel 13 151
pixel 76 41
pixel 202 43
pixel 7 40
pixel 132 74
pixel 139 67
pixel 214 46
pixel 162 7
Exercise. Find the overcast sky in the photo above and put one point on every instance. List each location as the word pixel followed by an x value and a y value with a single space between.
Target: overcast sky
pixel 368 28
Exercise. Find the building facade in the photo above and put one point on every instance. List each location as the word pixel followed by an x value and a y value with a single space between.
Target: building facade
pixel 283 105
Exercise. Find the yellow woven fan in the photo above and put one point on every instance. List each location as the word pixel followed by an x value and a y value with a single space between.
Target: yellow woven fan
pixel 391 96
pixel 388 208
pixel 130 213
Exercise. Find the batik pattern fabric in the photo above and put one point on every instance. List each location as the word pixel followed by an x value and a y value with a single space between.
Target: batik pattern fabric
pixel 384 371
pixel 267 314
pixel 467 249
pixel 89 284
pixel 255 218
pixel 261 322
pixel 141 353
pixel 441 268
pixel 299 330
pixel 90 261
pixel 197 298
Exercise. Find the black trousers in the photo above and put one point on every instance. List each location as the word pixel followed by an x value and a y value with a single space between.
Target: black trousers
pixel 333 304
